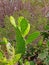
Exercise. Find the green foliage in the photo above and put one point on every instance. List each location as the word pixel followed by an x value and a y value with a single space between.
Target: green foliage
pixel 27 30
pixel 20 49
pixel 47 60
pixel 12 20
pixel 10 50
pixel 4 41
pixel 45 34
pixel 22 30
pixel 17 57
pixel 1 55
pixel 29 63
pixel 32 63
pixel 20 46
pixel 23 40
pixel 48 43
pixel 24 26
pixel 14 60
pixel 47 25
pixel 32 36
pixel 40 42
pixel 43 55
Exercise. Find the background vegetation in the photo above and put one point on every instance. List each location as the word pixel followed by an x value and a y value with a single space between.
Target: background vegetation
pixel 37 14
